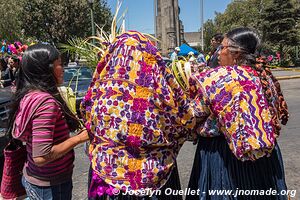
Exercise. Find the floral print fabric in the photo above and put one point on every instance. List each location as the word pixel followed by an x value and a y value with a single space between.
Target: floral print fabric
pixel 137 115
pixel 230 100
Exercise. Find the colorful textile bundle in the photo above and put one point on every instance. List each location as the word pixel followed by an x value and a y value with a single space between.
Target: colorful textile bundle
pixel 137 114
pixel 230 100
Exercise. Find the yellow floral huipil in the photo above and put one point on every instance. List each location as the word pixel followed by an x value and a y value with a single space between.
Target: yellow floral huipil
pixel 137 114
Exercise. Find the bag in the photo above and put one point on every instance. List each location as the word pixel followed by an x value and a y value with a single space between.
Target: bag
pixel 14 158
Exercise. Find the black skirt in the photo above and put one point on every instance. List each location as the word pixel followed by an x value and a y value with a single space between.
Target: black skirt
pixel 216 168
pixel 173 184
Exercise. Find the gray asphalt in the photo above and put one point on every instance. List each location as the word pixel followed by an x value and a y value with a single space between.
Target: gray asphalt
pixel 287 73
pixel 289 142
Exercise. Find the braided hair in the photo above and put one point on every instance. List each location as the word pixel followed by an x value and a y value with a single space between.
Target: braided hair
pixel 246 41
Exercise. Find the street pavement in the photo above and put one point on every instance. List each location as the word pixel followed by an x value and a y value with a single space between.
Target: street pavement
pixel 289 142
pixel 286 74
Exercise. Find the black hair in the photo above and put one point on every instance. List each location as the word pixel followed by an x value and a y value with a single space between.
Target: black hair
pixel 15 59
pixel 36 73
pixel 245 41
pixel 218 37
pixel 3 64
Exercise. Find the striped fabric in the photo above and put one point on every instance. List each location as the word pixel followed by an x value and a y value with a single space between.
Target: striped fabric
pixel 41 130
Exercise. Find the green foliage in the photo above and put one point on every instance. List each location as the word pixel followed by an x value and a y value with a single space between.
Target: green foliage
pixel 238 13
pixel 56 21
pixel 241 13
pixel 209 30
pixel 277 21
pixel 92 48
pixel 82 48
pixel 279 27
pixel 103 16
pixel 10 28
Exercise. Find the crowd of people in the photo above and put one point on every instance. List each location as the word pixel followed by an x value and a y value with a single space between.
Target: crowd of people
pixel 200 62
pixel 10 56
pixel 136 117
pixel 8 68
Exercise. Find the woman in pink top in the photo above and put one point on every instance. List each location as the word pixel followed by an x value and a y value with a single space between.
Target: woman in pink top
pixel 41 118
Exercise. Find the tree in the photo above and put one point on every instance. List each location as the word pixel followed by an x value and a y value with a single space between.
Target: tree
pixel 279 24
pixel 241 13
pixel 238 13
pixel 265 16
pixel 56 21
pixel 209 30
pixel 10 28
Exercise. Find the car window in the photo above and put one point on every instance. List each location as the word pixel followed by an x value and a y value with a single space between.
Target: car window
pixel 83 73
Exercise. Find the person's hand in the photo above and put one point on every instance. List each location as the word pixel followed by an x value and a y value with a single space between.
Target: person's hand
pixel 83 136
pixel 202 65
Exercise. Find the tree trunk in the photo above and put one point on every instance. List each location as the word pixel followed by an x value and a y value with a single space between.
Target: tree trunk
pixel 281 61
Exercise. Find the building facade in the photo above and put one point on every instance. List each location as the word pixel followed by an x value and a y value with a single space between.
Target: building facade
pixel 193 39
pixel 168 27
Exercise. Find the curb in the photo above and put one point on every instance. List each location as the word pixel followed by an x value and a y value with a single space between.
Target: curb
pixel 297 69
pixel 287 77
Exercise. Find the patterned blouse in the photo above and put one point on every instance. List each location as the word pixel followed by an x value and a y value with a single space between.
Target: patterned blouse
pixel 138 115
pixel 230 100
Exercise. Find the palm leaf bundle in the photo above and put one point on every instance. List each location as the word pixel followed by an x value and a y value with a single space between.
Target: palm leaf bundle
pixel 181 70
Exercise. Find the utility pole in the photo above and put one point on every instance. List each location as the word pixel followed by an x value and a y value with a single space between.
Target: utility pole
pixel 202 23
pixel 91 4
pixel 155 15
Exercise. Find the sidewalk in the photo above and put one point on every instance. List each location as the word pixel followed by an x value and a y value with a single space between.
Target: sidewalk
pixel 285 74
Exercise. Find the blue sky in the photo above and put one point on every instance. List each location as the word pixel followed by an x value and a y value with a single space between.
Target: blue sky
pixel 140 15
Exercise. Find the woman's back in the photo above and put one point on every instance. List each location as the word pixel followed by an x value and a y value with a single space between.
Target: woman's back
pixel 138 114
pixel 40 123
pixel 243 103
pixel 238 109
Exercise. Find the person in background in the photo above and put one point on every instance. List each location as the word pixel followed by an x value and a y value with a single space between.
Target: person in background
pixel 6 74
pixel 239 107
pixel 40 118
pixel 207 57
pixel 201 59
pixel 174 55
pixel 3 67
pixel 191 64
pixel 215 43
pixel 14 64
pixel 191 56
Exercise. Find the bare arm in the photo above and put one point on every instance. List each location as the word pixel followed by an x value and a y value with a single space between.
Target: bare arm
pixel 59 150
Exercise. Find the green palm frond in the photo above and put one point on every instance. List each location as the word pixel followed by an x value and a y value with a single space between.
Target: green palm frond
pixel 91 48
pixel 84 48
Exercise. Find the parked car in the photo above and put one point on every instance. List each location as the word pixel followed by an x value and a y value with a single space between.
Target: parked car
pixel 5 99
pixel 79 79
